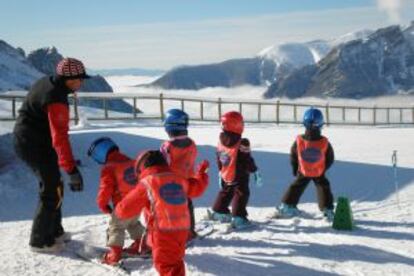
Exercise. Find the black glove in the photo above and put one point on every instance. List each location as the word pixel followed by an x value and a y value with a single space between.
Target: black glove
pixel 75 180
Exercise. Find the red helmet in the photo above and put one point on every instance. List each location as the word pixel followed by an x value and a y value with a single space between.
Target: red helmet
pixel 232 121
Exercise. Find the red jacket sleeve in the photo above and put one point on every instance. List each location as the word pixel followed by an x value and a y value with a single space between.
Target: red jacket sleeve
pixel 133 203
pixel 58 115
pixel 106 189
pixel 197 185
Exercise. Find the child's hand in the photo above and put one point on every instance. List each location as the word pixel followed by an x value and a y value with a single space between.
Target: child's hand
pixel 258 179
pixel 106 209
pixel 203 167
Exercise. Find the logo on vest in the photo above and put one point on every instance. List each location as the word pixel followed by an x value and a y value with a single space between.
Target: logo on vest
pixel 130 177
pixel 224 158
pixel 172 193
pixel 311 155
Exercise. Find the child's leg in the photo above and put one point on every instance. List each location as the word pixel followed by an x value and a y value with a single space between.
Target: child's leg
pixel 168 252
pixel 192 217
pixel 135 228
pixel 295 190
pixel 223 199
pixel 323 189
pixel 240 199
pixel 115 232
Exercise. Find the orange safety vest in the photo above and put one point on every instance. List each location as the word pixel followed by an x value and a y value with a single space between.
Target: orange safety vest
pixel 167 194
pixel 182 160
pixel 228 160
pixel 126 179
pixel 312 155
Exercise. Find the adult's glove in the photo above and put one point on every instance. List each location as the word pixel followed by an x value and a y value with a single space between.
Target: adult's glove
pixel 258 181
pixel 75 180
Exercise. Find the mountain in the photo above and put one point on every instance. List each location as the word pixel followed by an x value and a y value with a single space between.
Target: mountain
pixel 269 65
pixel 16 72
pixel 380 64
pixel 253 71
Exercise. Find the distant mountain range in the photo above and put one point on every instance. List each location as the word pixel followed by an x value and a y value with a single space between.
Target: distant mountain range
pixel 19 72
pixel 359 64
pixel 380 64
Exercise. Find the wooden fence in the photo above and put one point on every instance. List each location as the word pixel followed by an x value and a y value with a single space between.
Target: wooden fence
pixel 254 111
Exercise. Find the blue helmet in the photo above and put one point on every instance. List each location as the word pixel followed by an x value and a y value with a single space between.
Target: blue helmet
pixel 313 118
pixel 175 119
pixel 100 149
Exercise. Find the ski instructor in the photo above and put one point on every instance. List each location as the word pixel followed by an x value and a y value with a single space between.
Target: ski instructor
pixel 41 140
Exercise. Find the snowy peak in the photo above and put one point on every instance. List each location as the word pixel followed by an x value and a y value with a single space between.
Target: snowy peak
pixel 45 59
pixel 361 34
pixel 16 72
pixel 295 54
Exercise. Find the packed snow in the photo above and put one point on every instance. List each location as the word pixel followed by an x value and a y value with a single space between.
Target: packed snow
pixel 382 242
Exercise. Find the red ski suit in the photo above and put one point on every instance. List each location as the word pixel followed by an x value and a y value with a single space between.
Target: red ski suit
pixel 118 178
pixel 168 247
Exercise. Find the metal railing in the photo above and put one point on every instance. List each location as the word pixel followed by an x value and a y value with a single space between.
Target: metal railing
pixel 254 111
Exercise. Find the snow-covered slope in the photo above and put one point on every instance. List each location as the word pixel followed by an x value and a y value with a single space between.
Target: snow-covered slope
pixel 301 54
pixel 382 243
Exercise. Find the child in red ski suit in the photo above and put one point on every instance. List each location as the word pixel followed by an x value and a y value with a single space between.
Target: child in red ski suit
pixel 162 196
pixel 235 164
pixel 180 152
pixel 117 179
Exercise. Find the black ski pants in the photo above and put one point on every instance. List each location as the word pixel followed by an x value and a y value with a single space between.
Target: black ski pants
pixel 237 194
pixel 296 189
pixel 47 221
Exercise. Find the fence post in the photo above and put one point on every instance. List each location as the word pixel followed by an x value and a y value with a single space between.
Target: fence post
pixel 182 104
pixel 105 105
pixel 295 113
pixel 388 116
pixel 412 113
pixel 161 107
pixel 401 116
pixel 135 107
pixel 327 114
pixel 259 112
pixel 75 108
pixel 374 115
pixel 14 108
pixel 219 109
pixel 277 111
pixel 359 115
pixel 201 110
pixel 241 107
pixel 343 114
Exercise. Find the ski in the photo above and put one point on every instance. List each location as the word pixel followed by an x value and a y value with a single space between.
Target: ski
pixel 119 269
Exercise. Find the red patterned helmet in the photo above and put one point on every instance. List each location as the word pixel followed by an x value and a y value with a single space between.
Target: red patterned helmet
pixel 71 68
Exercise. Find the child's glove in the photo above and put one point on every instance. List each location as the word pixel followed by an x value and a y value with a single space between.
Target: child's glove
pixel 219 180
pixel 106 209
pixel 203 167
pixel 258 179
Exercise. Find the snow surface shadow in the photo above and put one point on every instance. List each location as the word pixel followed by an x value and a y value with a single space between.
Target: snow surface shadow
pixel 337 253
pixel 240 265
pixel 259 263
pixel 359 231
pixel 358 181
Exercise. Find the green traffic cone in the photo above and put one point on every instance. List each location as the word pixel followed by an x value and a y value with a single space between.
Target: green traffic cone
pixel 343 219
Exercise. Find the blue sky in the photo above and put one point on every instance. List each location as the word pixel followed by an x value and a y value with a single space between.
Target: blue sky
pixel 166 33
